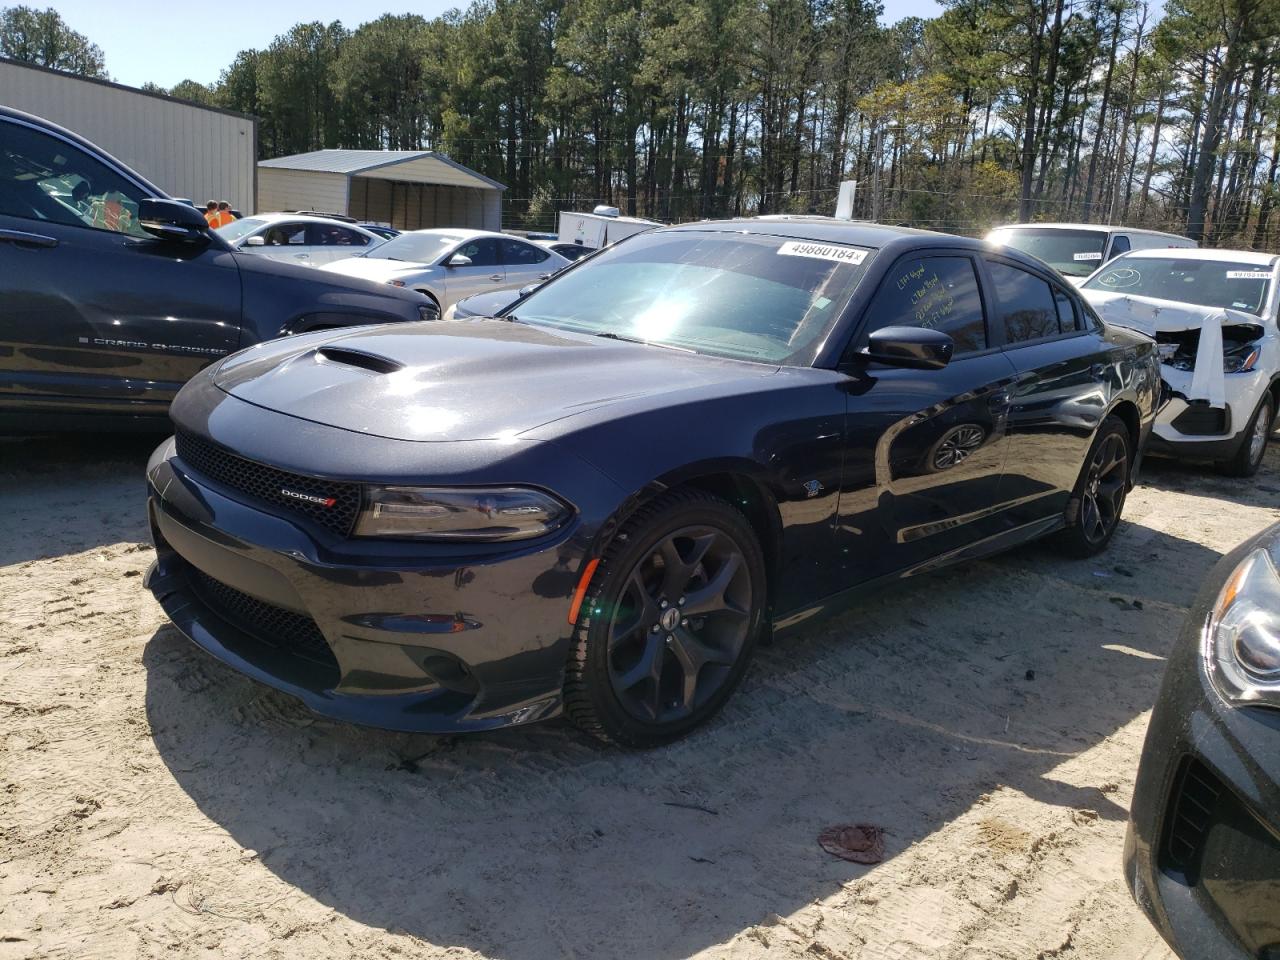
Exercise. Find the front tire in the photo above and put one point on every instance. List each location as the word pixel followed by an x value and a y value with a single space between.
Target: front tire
pixel 1253 446
pixel 669 622
pixel 1100 491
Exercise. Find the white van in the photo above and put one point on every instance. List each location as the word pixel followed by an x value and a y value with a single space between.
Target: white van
pixel 599 228
pixel 1075 250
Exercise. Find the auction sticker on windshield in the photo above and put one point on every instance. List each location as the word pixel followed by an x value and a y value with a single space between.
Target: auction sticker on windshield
pixel 1094 255
pixel 822 251
pixel 1248 274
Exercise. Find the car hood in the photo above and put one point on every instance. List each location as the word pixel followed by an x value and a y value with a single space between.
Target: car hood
pixel 376 268
pixel 466 380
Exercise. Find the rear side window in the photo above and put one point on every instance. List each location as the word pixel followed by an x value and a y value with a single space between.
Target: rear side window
pixel 1120 244
pixel 939 293
pixel 1025 305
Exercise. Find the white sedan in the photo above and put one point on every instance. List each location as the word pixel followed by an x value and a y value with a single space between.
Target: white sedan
pixel 298 238
pixel 449 265
pixel 1214 314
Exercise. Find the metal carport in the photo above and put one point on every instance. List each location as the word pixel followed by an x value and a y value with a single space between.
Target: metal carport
pixel 408 189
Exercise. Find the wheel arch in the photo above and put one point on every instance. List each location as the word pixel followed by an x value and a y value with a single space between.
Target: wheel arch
pixel 738 484
pixel 1129 415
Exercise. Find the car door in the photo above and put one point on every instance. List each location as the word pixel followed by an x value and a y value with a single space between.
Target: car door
pixel 526 263
pixel 484 273
pixel 925 449
pixel 1064 371
pixel 327 242
pixel 96 314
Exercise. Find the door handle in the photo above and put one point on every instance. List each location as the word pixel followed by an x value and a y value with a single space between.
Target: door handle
pixel 302 256
pixel 496 276
pixel 25 239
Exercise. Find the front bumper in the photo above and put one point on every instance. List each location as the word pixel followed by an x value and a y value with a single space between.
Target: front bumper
pixel 1196 431
pixel 1202 854
pixel 375 634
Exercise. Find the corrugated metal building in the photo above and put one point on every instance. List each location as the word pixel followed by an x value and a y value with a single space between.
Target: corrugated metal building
pixel 409 189
pixel 186 149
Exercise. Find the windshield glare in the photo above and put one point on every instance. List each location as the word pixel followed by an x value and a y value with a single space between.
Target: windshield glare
pixel 414 247
pixel 747 297
pixel 1205 283
pixel 233 231
pixel 1073 253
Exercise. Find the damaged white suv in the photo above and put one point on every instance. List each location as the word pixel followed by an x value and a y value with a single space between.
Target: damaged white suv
pixel 1214 314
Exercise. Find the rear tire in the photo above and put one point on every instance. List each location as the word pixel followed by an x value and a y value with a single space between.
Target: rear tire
pixel 1100 491
pixel 668 623
pixel 1253 446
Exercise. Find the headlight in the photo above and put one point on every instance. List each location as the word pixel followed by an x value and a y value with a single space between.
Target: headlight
pixel 460 513
pixel 1241 361
pixel 429 311
pixel 1242 646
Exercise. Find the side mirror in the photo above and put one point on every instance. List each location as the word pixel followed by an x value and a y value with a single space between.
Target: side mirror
pixel 256 240
pixel 917 348
pixel 458 260
pixel 172 221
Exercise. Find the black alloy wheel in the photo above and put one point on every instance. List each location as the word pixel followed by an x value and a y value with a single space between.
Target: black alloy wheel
pixel 669 621
pixel 1101 491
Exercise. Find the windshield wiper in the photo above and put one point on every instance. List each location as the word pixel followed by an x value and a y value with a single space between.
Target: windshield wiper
pixel 610 335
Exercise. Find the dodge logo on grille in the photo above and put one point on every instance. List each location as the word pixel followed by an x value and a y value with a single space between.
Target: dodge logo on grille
pixel 325 502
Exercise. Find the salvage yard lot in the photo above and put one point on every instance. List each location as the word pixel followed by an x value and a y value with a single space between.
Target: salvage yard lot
pixel 990 717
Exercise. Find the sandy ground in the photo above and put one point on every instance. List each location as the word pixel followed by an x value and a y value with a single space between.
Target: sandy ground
pixel 155 803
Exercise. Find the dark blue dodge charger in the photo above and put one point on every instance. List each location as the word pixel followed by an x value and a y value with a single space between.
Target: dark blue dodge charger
pixel 598 502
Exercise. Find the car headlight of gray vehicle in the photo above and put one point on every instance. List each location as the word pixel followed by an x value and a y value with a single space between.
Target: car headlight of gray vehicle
pixel 1242 644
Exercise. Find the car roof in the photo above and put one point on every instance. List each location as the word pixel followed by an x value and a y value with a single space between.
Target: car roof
pixel 1097 227
pixel 462 233
pixel 861 233
pixel 1212 254
pixel 276 217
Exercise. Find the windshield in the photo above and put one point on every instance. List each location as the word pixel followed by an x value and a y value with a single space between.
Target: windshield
pixel 736 295
pixel 1073 253
pixel 415 247
pixel 1206 283
pixel 237 229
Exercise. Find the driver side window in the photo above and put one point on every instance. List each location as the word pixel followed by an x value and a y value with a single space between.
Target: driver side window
pixel 482 252
pixel 939 293
pixel 45 179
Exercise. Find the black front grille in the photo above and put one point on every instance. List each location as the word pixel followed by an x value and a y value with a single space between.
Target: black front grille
pixel 1191 813
pixel 1201 420
pixel 336 506
pixel 275 626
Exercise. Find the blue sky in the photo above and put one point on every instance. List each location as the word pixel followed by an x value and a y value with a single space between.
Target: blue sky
pixel 141 39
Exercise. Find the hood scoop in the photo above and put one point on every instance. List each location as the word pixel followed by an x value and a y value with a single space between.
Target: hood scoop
pixel 372 362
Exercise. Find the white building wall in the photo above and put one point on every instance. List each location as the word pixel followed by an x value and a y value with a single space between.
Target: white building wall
pixel 186 150
pixel 280 189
